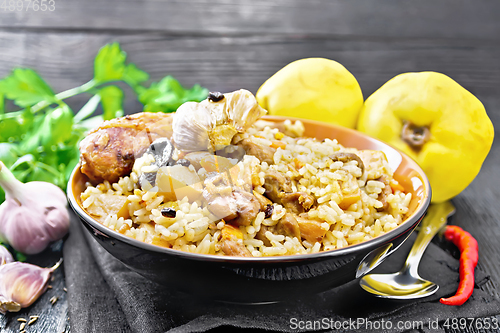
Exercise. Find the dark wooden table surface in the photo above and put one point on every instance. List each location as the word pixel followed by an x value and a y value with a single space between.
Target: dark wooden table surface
pixel 230 44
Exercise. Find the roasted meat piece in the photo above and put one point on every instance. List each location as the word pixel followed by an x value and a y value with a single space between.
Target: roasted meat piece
pixel 228 203
pixel 382 197
pixel 288 226
pixel 248 207
pixel 276 184
pixel 263 153
pixel 109 152
pixel 278 189
pixel 297 202
pixel 310 229
pixel 232 242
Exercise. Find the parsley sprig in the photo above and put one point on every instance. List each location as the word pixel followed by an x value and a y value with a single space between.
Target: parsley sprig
pixel 40 141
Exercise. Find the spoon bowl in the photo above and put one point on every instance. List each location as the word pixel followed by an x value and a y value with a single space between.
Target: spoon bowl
pixel 398 286
pixel 407 284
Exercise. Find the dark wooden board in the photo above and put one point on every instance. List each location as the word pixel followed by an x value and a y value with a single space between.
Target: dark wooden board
pixel 228 63
pixel 478 212
pixel 53 318
pixel 377 18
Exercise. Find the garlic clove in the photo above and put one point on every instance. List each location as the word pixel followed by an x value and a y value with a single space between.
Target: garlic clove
pixel 234 114
pixel 57 220
pixel 190 125
pixel 201 126
pixel 5 256
pixel 21 284
pixel 238 108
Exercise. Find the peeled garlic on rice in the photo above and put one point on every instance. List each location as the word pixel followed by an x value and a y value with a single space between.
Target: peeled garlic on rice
pixel 200 126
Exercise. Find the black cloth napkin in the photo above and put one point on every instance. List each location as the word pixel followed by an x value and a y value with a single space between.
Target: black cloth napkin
pixel 105 296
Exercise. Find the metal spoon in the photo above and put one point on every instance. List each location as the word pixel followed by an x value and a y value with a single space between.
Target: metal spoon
pixel 407 284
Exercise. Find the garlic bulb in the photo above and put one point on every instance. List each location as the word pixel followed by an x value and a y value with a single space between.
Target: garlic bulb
pixel 21 284
pixel 5 256
pixel 190 125
pixel 214 121
pixel 33 214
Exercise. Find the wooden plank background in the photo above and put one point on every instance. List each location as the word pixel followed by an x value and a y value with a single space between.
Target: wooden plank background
pixel 377 18
pixel 224 63
pixel 230 44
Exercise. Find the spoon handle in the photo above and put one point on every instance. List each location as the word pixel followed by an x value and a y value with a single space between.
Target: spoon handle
pixel 433 221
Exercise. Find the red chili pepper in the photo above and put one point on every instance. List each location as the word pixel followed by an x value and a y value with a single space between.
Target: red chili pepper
pixel 468 261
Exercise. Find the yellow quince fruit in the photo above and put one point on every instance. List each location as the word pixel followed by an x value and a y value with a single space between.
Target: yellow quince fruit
pixel 435 121
pixel 313 88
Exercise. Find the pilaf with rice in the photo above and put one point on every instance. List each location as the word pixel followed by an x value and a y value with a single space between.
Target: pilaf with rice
pixel 266 191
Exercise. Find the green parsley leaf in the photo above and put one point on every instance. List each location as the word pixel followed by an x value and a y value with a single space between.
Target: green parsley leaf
pixel 133 75
pixel 19 256
pixel 66 156
pixel 25 87
pixel 112 102
pixel 41 141
pixel 70 166
pixel 25 161
pixel 89 124
pixel 109 64
pixel 196 93
pixel 14 125
pixel 8 153
pixel 168 94
pixel 46 173
pixel 49 130
pixel 88 109
pixel 60 121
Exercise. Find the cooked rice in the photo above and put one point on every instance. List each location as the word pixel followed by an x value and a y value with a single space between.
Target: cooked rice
pixel 305 160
